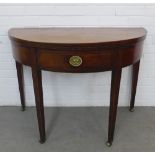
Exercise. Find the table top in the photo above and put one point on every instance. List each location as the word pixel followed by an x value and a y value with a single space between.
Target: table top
pixel 81 35
pixel 95 49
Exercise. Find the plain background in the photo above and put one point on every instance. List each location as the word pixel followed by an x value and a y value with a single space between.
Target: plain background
pixel 93 89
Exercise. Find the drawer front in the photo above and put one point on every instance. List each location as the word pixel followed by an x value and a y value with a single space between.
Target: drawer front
pixel 74 62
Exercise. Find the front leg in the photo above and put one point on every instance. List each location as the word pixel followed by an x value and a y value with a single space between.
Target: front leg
pixel 37 83
pixel 115 86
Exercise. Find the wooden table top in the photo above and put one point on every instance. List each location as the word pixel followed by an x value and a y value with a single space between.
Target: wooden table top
pixel 76 35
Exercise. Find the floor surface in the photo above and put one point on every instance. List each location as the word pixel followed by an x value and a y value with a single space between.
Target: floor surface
pixel 77 129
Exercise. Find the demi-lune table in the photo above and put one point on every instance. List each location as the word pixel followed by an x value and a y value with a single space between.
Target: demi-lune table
pixel 77 50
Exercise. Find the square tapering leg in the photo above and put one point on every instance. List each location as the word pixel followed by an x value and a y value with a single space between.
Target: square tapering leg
pixel 19 68
pixel 37 83
pixel 135 71
pixel 115 86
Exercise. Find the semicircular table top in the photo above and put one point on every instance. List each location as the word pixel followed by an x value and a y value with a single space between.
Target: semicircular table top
pixel 81 35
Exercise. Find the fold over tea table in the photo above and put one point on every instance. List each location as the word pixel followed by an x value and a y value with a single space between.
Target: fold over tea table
pixel 77 50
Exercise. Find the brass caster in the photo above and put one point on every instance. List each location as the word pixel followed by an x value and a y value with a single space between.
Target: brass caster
pixel 22 108
pixel 131 109
pixel 108 144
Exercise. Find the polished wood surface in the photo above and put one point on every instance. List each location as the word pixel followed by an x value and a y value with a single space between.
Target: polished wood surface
pixel 90 49
pixel 77 35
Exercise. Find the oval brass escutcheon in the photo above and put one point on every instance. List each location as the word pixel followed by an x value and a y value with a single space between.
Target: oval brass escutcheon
pixel 75 61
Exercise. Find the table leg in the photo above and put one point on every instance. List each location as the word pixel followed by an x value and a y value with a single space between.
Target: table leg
pixel 135 71
pixel 115 85
pixel 19 68
pixel 37 83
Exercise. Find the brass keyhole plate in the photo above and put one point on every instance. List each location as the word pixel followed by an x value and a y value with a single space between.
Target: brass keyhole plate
pixel 75 61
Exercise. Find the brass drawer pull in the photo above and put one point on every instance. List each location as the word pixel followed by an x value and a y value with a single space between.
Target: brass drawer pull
pixel 75 61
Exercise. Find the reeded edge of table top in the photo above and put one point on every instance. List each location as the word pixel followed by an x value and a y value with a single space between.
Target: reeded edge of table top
pixel 76 46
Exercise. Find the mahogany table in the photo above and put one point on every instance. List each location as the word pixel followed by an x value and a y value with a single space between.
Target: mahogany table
pixel 77 50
